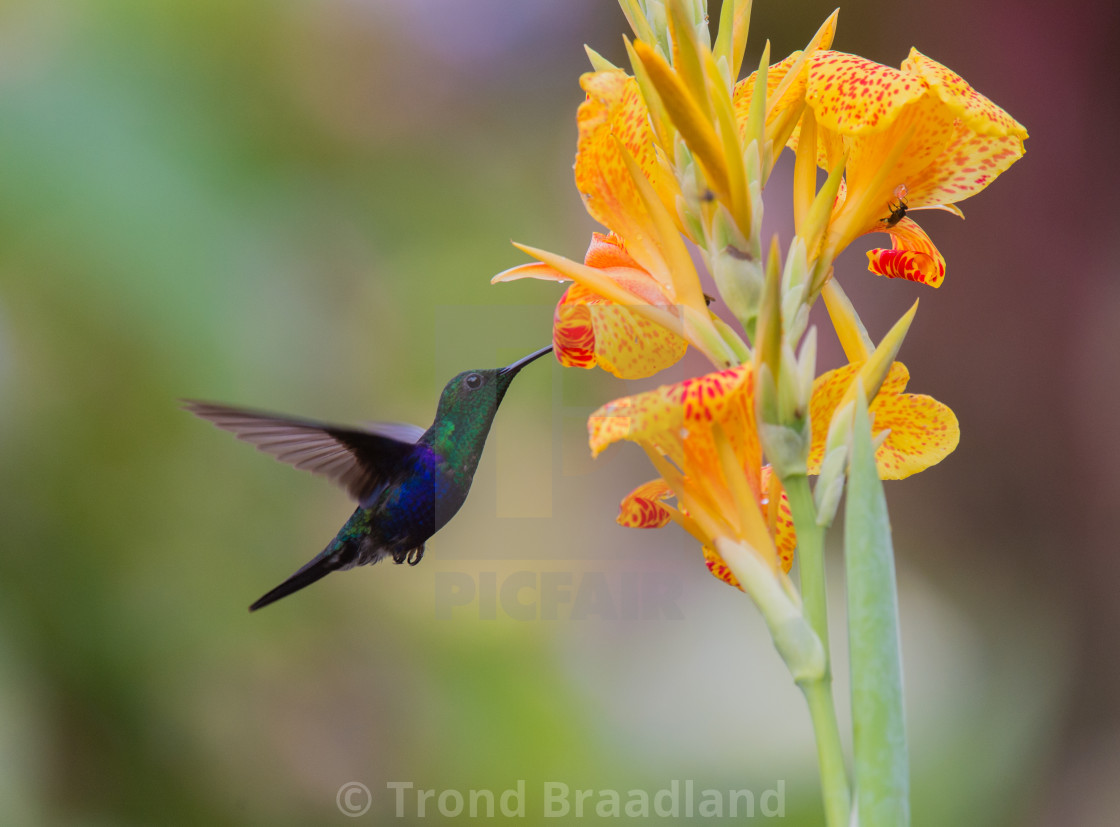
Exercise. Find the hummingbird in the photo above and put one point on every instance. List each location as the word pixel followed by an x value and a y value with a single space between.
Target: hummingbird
pixel 408 482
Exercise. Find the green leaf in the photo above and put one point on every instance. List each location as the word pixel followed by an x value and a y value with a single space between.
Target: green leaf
pixel 879 733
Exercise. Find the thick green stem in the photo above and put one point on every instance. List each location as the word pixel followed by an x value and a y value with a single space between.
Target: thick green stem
pixel 810 559
pixel 830 754
pixel 810 554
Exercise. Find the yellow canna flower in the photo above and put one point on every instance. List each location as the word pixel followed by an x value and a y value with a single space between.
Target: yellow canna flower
pixel 701 436
pixel 591 330
pixel 922 431
pixel 914 138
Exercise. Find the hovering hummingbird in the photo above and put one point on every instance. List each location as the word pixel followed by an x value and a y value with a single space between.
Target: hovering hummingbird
pixel 408 482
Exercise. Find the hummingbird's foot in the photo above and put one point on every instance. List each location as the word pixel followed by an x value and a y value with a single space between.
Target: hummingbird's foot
pixel 412 556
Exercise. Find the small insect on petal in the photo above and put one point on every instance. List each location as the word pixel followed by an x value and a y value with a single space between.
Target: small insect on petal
pixel 898 207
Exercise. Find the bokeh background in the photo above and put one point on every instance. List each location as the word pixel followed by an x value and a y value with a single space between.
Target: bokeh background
pixel 298 205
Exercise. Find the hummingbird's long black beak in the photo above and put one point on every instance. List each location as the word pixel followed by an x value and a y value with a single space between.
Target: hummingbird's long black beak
pixel 510 370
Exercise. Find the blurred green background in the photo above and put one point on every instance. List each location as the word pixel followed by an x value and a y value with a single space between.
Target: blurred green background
pixel 297 206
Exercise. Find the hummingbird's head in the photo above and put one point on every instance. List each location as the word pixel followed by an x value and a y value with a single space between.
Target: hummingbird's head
pixel 466 411
pixel 480 392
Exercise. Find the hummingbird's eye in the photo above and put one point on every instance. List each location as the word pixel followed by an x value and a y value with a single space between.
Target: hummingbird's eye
pixel 474 381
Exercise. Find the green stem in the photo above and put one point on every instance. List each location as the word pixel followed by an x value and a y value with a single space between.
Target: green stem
pixel 810 559
pixel 830 753
pixel 818 692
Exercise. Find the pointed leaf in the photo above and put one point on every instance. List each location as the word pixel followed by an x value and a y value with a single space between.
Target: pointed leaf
pixel 879 732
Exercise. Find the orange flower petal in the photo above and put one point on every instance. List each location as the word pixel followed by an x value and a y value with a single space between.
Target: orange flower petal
pixel 608 250
pixel 913 256
pixel 615 113
pixel 642 508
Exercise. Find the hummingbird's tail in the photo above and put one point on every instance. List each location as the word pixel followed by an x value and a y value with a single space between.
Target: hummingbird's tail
pixel 319 567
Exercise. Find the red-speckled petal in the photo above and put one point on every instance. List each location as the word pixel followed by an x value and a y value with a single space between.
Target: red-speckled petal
pixel 589 330
pixel 828 391
pixel 913 256
pixel 573 337
pixel 898 377
pixel 669 408
pixel 615 112
pixel 637 418
pixel 967 164
pixel 977 113
pixel 642 507
pixel 923 432
pixel 709 398
pixel 928 128
pixel 855 96
pixel 780 518
pixel 719 569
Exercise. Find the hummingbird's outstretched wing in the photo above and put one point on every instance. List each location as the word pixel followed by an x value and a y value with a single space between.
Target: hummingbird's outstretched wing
pixel 358 460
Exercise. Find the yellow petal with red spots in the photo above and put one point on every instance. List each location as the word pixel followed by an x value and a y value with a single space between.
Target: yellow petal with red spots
pixel 968 162
pixel 976 112
pixel 855 96
pixel 642 507
pixel 913 256
pixel 779 517
pixel 921 130
pixel 613 114
pixel 719 568
pixel 589 330
pixel 923 432
pixel 898 377
pixel 669 408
